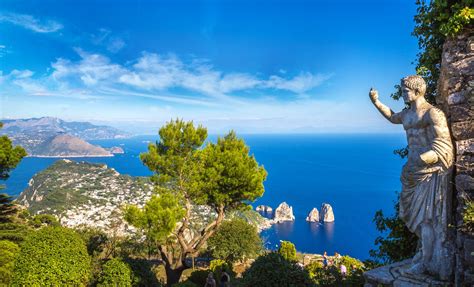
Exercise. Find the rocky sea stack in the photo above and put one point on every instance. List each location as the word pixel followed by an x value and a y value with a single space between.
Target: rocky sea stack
pixel 284 212
pixel 264 208
pixel 326 214
pixel 313 215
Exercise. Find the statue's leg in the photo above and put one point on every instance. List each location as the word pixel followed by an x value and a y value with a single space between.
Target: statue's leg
pixel 422 259
pixel 427 241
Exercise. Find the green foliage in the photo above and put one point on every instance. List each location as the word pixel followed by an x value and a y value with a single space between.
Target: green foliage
pixel 95 240
pixel 402 152
pixel 331 275
pixel 7 208
pixel 235 240
pixel 115 273
pixel 460 17
pixel 158 218
pixel 8 253
pixel 287 250
pixel 435 21
pixel 222 176
pixel 228 174
pixel 324 276
pixel 14 232
pixel 52 256
pixel 199 277
pixel 171 158
pixel 218 266
pixel 468 217
pixel 9 156
pixel 44 220
pixel 142 273
pixel 273 270
pixel 398 244
pixel 186 283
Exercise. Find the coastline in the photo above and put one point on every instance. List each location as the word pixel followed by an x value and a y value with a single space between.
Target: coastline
pixel 68 156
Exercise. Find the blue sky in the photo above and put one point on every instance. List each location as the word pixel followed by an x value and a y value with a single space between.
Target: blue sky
pixel 253 66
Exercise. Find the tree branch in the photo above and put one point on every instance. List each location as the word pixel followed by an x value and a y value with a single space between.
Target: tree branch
pixel 198 242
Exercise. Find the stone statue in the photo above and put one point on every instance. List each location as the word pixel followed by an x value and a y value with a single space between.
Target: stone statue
pixel 425 196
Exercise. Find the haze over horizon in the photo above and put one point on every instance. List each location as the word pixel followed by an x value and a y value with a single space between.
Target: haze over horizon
pixel 226 65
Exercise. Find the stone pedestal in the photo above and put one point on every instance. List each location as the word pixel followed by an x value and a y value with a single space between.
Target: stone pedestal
pixel 393 275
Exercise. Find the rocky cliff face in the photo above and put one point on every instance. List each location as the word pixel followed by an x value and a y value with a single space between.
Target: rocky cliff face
pixel 326 214
pixel 456 97
pixel 313 215
pixel 284 212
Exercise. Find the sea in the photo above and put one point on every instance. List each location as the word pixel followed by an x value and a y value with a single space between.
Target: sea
pixel 357 174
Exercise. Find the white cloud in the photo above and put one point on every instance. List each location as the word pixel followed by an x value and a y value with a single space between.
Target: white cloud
pixel 3 50
pixel 115 45
pixel 153 71
pixel 31 23
pixel 165 78
pixel 91 69
pixel 21 74
pixel 299 84
pixel 105 38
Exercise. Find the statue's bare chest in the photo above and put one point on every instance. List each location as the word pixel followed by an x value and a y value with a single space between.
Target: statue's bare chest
pixel 414 120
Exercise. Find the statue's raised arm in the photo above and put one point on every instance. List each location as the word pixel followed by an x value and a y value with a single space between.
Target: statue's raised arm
pixel 390 115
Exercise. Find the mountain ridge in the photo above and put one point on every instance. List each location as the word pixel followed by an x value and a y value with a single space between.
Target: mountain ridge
pixel 53 137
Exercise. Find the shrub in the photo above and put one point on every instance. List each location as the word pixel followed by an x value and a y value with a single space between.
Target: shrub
pixel 44 220
pixel 324 276
pixel 199 277
pixel 235 240
pixel 218 266
pixel 8 252
pixel 288 250
pixel 14 232
pixel 142 273
pixel 115 273
pixel 273 269
pixel 52 256
pixel 186 283
pixel 95 240
pixel 331 275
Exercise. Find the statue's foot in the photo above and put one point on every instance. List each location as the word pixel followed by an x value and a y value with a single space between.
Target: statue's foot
pixel 415 269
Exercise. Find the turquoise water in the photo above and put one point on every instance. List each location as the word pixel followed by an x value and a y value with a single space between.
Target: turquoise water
pixel 356 174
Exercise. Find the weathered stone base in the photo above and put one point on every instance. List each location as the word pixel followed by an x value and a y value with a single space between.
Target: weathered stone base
pixel 391 275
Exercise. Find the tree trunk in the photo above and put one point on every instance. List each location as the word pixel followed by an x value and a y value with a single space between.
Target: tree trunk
pixel 173 274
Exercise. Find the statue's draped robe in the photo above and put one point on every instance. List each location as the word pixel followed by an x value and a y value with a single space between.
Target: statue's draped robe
pixel 424 189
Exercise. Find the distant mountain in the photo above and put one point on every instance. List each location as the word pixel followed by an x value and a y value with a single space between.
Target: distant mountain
pixel 64 145
pixel 50 125
pixel 53 137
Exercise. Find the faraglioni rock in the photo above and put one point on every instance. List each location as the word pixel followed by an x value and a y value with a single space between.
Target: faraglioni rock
pixel 284 212
pixel 326 214
pixel 313 215
pixel 264 208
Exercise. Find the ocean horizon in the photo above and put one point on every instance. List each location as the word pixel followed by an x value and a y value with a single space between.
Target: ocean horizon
pixel 357 174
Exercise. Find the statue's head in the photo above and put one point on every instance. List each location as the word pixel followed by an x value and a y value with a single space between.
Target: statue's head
pixel 413 87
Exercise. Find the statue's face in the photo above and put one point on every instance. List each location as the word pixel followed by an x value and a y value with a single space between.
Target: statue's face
pixel 409 95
